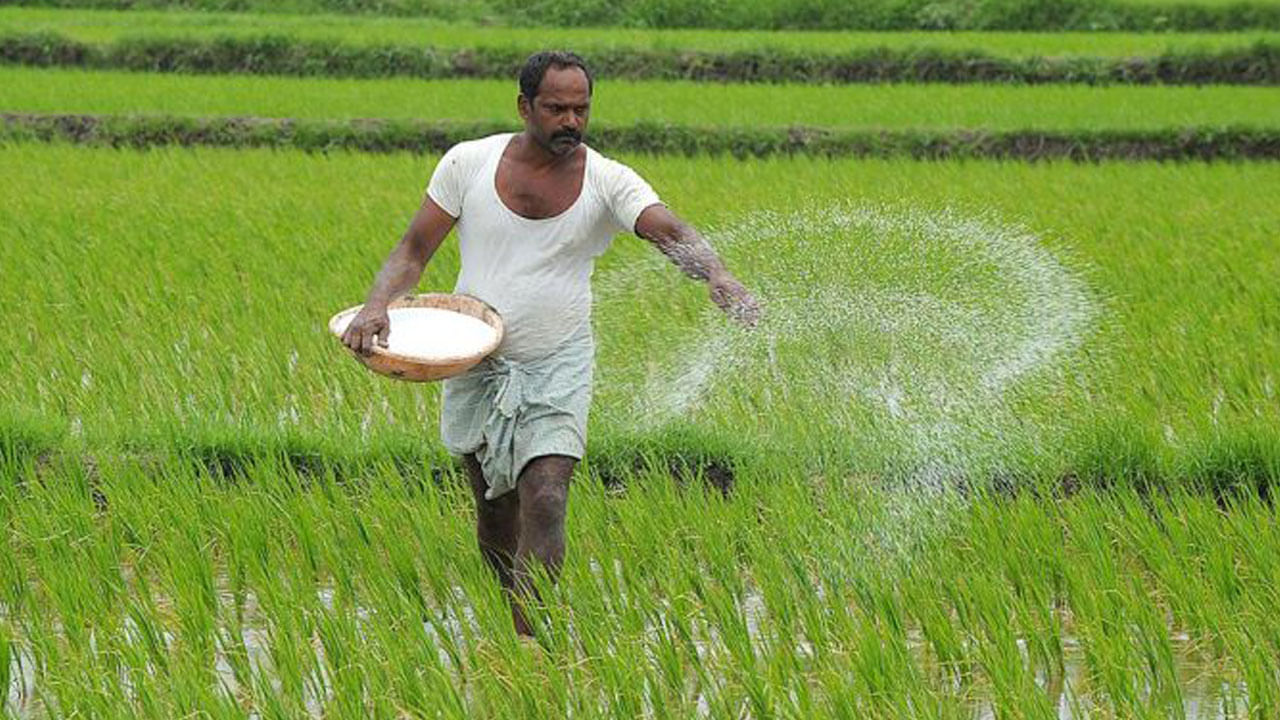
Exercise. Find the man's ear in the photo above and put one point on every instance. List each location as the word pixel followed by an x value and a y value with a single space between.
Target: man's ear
pixel 523 107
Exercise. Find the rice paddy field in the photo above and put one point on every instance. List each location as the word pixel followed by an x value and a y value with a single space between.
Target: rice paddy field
pixel 898 106
pixel 1004 444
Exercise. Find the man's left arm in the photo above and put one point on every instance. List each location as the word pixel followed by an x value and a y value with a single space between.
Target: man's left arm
pixel 694 256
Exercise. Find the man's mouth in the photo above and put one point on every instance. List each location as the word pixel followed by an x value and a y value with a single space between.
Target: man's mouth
pixel 569 136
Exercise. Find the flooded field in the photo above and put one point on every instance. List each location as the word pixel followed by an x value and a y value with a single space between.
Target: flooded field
pixel 785 598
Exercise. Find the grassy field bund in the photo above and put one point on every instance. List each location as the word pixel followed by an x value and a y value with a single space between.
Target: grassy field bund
pixel 993 107
pixel 1255 64
pixel 1148 15
pixel 101 26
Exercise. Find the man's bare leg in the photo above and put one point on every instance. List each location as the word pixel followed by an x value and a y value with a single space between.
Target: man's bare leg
pixel 543 489
pixel 497 527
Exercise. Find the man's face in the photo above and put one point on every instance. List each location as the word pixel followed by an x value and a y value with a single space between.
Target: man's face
pixel 557 117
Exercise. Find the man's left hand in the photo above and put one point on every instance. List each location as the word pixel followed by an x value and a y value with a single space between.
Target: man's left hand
pixel 736 301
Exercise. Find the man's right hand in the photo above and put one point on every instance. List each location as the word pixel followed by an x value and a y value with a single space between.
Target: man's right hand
pixel 370 321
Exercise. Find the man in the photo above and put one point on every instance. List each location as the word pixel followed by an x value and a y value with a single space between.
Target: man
pixel 533 210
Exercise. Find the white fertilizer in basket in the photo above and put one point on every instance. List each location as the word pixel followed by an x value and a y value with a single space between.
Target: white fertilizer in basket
pixel 434 334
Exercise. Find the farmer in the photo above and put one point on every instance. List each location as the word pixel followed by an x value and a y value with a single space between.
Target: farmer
pixel 533 210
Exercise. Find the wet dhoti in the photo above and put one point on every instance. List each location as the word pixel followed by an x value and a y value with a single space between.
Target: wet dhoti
pixel 509 412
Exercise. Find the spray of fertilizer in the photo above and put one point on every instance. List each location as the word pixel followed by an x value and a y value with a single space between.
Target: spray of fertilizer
pixel 902 331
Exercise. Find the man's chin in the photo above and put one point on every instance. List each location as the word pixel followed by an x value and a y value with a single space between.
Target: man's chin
pixel 564 146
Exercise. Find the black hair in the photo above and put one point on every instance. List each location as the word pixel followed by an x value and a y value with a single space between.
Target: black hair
pixel 536 67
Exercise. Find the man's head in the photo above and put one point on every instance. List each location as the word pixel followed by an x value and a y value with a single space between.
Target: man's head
pixel 555 100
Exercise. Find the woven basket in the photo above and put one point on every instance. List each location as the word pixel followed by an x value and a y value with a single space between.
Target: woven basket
pixel 404 367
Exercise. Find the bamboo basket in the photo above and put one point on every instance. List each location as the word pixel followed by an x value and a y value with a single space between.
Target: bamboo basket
pixel 414 369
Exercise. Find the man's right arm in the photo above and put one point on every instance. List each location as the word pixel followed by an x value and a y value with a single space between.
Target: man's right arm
pixel 398 275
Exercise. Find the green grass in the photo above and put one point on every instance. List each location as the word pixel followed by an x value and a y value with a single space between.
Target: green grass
pixel 1162 15
pixel 107 25
pixel 620 102
pixel 176 300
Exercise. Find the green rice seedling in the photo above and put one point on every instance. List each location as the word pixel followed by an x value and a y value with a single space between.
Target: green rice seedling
pixel 1006 662
pixel 1099 611
pixel 704 618
pixel 1023 537
pixel 944 650
pixel 336 410
pixel 214 568
pixel 1257 671
pixel 6 661
pixel 1142 643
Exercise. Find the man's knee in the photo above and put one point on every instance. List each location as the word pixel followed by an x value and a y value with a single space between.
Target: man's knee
pixel 548 467
pixel 546 506
pixel 544 487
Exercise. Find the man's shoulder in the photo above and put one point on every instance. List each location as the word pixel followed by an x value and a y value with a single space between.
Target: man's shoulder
pixel 464 159
pixel 475 149
pixel 600 159
pixel 606 169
